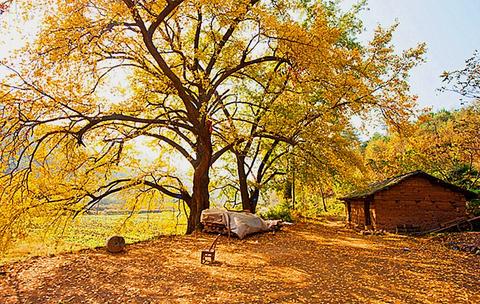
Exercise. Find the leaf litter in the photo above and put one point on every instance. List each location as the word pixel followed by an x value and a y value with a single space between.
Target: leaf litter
pixel 304 263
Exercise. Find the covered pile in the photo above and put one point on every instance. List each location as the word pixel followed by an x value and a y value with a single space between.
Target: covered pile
pixel 239 223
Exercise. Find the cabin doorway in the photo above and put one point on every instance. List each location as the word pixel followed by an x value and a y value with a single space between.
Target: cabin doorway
pixel 366 209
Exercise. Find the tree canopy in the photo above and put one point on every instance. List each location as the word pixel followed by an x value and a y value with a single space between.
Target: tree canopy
pixel 445 143
pixel 113 96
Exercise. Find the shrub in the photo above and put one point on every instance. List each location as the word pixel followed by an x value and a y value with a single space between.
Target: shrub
pixel 281 211
pixel 473 207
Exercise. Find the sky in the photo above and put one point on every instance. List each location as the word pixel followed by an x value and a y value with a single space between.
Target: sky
pixel 450 28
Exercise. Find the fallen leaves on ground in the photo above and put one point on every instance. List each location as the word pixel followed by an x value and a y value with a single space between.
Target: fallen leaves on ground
pixel 304 263
pixel 464 241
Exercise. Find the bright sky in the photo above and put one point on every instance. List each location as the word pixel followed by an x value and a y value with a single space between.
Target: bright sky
pixel 450 29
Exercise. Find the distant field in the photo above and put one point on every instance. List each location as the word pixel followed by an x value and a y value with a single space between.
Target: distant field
pixel 91 231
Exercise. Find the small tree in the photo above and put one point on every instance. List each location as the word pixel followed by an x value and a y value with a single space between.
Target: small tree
pixel 466 81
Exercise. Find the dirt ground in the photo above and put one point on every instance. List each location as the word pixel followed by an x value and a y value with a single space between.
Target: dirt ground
pixel 304 263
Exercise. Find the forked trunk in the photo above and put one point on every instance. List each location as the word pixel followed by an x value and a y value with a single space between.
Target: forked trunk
pixel 249 198
pixel 242 179
pixel 254 196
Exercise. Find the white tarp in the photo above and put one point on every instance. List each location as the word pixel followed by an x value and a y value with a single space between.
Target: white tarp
pixel 240 223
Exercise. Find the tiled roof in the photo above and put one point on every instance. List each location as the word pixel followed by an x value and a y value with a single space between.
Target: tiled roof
pixel 386 184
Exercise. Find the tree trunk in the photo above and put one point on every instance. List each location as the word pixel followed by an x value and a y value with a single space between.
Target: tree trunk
pixel 255 195
pixel 323 200
pixel 293 185
pixel 200 195
pixel 242 178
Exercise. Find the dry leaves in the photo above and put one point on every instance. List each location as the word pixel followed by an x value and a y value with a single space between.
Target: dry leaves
pixel 306 263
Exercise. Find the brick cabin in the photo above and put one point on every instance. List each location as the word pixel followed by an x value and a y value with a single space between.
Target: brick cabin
pixel 414 200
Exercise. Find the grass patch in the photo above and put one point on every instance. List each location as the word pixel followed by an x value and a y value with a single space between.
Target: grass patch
pixel 281 211
pixel 311 209
pixel 314 209
pixel 90 231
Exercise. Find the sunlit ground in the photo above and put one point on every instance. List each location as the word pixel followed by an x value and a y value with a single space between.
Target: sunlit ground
pixel 304 263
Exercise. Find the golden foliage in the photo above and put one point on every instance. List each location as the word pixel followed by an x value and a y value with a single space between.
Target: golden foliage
pixel 443 143
pixel 105 80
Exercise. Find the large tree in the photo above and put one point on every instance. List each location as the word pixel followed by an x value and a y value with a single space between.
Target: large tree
pixel 104 79
pixel 311 111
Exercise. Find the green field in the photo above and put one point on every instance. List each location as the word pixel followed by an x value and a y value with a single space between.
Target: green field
pixel 90 231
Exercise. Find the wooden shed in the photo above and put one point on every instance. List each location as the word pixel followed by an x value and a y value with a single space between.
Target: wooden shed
pixel 415 200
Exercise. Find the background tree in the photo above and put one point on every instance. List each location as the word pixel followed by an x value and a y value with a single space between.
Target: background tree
pixel 320 93
pixel 465 81
pixel 445 144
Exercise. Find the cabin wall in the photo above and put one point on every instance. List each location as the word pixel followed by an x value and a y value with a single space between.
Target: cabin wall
pixel 416 201
pixel 357 213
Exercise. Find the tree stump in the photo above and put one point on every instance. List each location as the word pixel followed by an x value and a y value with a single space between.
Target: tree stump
pixel 115 244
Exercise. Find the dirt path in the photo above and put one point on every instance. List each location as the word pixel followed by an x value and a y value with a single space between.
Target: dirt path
pixel 305 263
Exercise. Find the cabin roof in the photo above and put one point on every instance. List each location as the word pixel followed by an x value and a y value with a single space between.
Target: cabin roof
pixel 389 182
